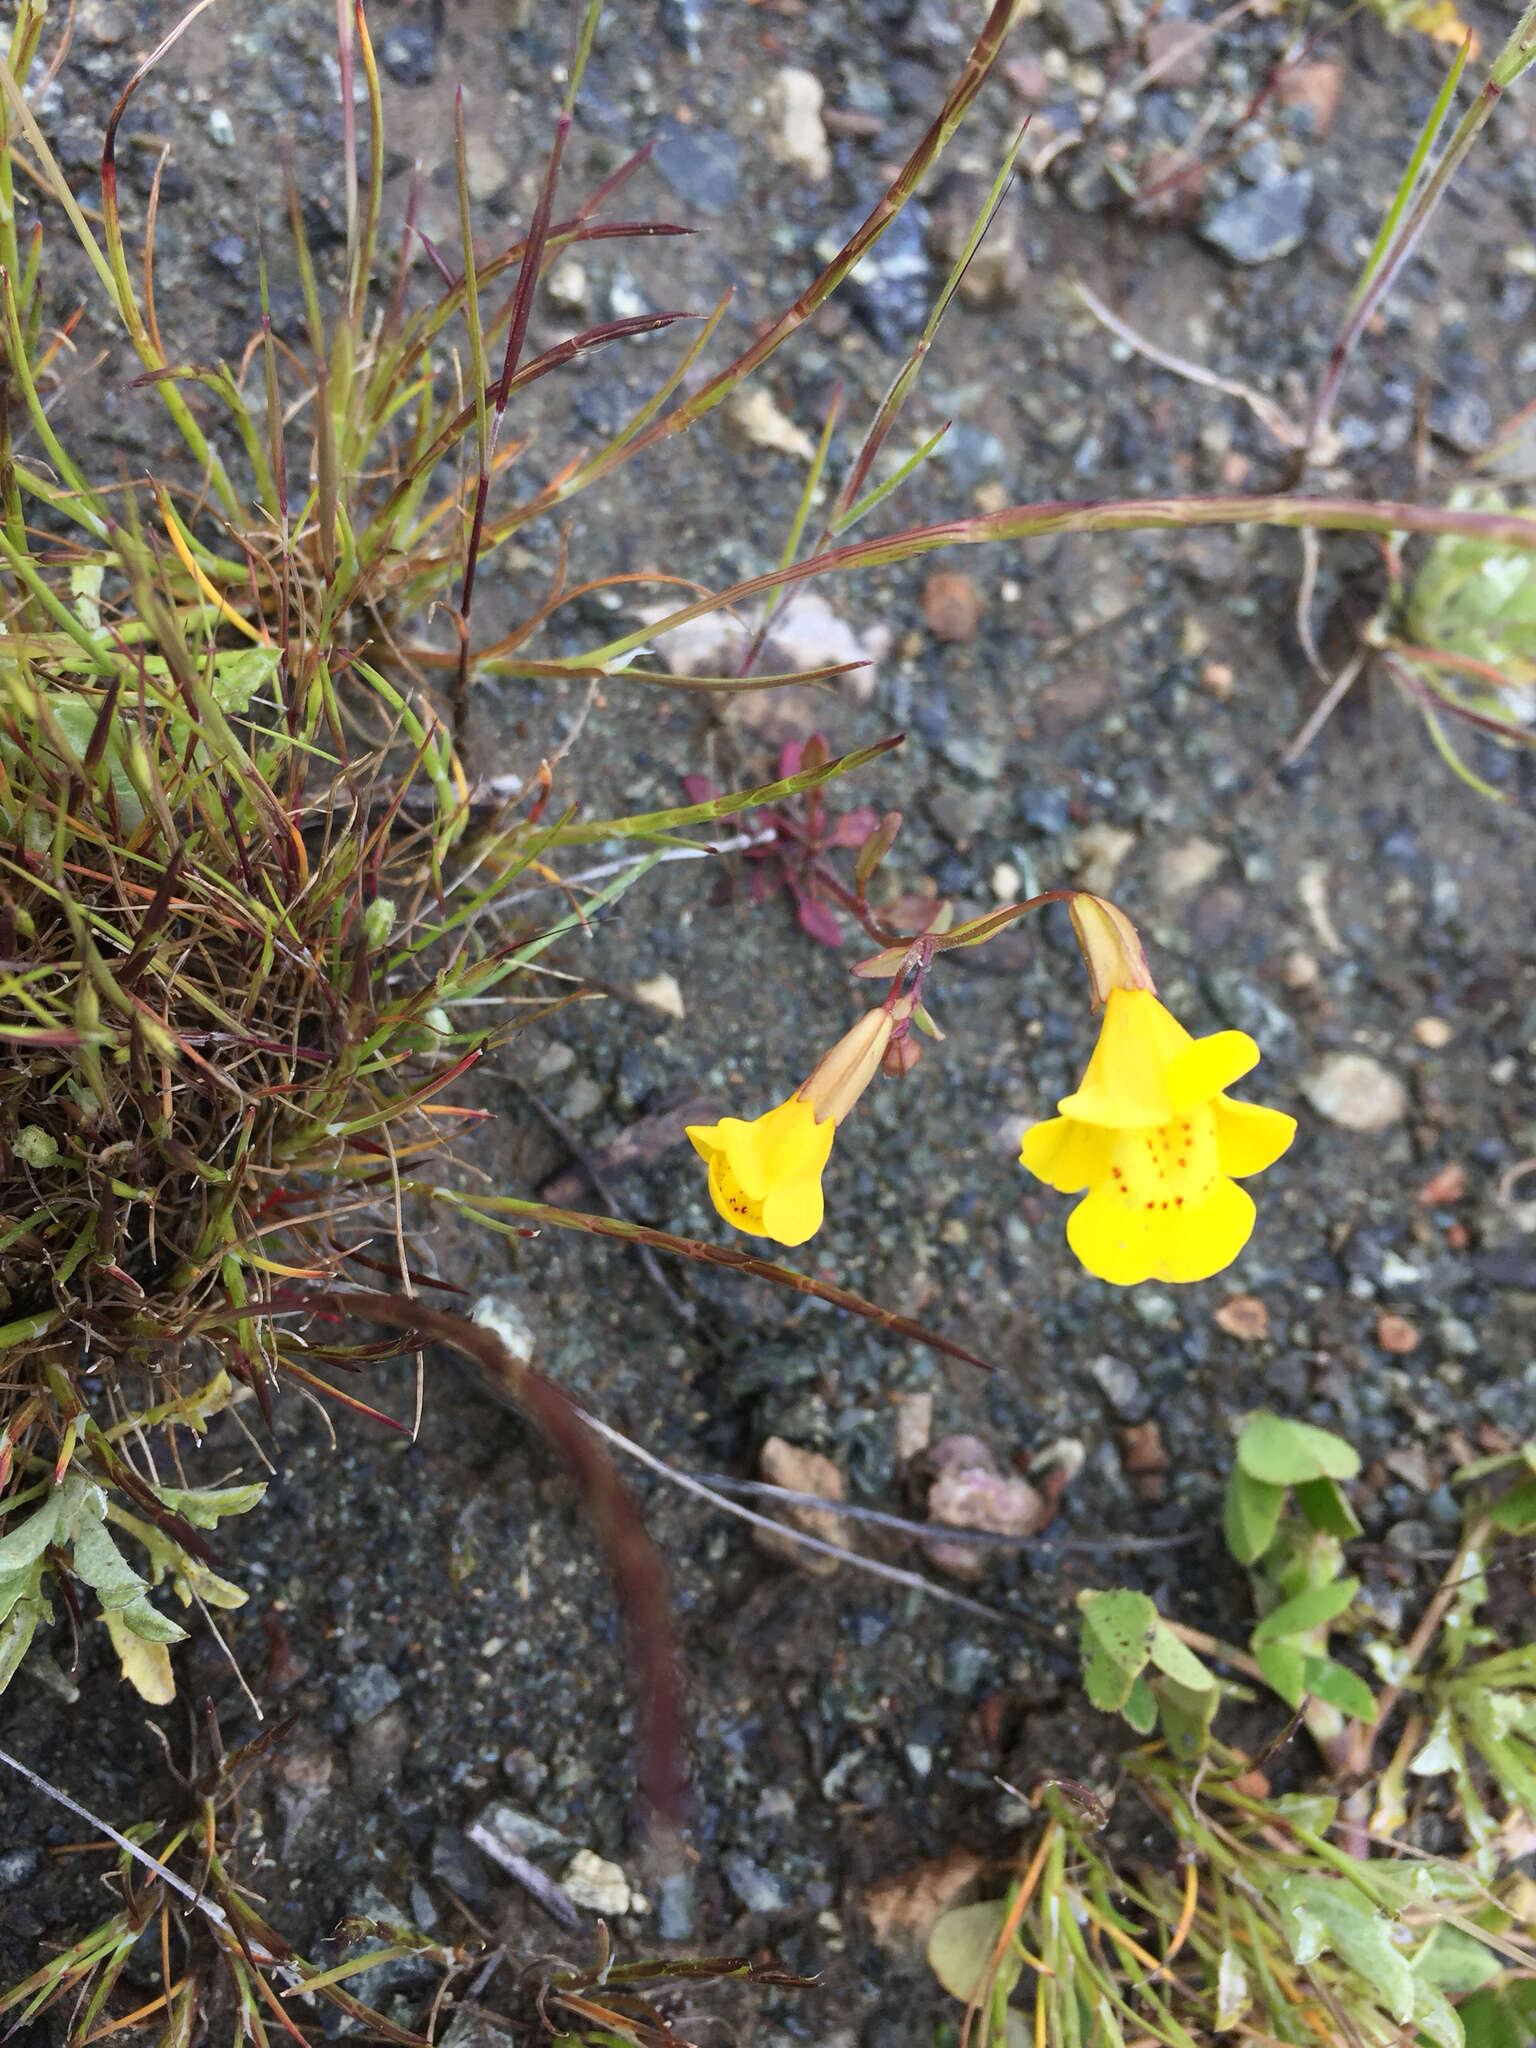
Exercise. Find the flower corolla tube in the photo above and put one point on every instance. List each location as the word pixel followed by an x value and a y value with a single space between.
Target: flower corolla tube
pixel 1156 1147
pixel 765 1174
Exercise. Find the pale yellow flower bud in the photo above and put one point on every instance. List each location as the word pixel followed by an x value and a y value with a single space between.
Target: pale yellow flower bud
pixel 841 1075
pixel 1111 948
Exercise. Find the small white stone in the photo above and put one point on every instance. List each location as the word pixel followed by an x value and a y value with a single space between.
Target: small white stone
pixel 1183 869
pixel 221 130
pixel 661 992
pixel 799 136
pixel 1101 850
pixel 914 1425
pixel 504 1319
pixel 1433 1033
pixel 1300 970
pixel 1006 881
pixel 583 1099
pixel 568 288
pixel 554 1059
pixel 596 1885
pixel 1355 1092
pixel 756 419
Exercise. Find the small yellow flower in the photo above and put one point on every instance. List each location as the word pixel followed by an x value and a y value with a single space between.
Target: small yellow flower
pixel 765 1176
pixel 1156 1142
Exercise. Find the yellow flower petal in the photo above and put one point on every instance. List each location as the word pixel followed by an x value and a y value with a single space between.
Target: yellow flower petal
pixel 1205 1066
pixel 1211 1235
pixel 1155 1142
pixel 1126 1245
pixel 793 1211
pixel 1126 1084
pixel 765 1175
pixel 1066 1155
pixel 1250 1137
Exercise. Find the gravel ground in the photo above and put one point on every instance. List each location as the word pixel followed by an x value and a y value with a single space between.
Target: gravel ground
pixel 1113 712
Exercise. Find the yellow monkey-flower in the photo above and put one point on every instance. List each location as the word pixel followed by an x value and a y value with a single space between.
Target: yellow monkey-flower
pixel 765 1175
pixel 1158 1146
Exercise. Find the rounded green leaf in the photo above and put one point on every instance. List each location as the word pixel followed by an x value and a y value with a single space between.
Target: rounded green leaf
pixel 1340 1687
pixel 1306 1611
pixel 1117 1640
pixel 1284 1453
pixel 1252 1511
pixel 961 1945
pixel 1284 1670
pixel 1326 1508
pixel 1178 1663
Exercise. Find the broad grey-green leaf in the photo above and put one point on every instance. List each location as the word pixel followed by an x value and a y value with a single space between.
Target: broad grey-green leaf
pixel 961 1945
pixel 97 1559
pixel 1326 1910
pixel 1454 1962
pixel 1340 1687
pixel 1117 1640
pixel 1186 1715
pixel 1315 1811
pixel 1515 1512
pixel 1439 1753
pixel 16 1633
pixel 1284 1669
pixel 204 1506
pixel 48 1523
pixel 1252 1511
pixel 1326 1507
pixel 1232 1995
pixel 1436 2018
pixel 1305 1611
pixel 1140 1708
pixel 1176 1661
pixel 1284 1453
pixel 149 1623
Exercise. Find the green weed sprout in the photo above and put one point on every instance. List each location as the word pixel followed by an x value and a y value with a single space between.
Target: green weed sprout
pixel 1300 1917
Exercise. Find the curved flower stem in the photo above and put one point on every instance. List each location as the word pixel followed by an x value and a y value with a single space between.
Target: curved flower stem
pixel 511 1213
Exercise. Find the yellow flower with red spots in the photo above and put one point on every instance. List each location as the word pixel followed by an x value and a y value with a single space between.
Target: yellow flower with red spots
pixel 765 1174
pixel 1157 1147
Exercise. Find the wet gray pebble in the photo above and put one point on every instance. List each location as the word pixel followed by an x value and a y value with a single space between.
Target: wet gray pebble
pixel 675 1906
pixel 401 1972
pixel 19 1867
pixel 965 1664
pixel 1084 25
pixel 1462 418
pixel 1048 810
pixel 977 753
pixel 888 290
pixel 229 253
pixel 1262 223
pixel 971 454
pixel 521 1832
pixel 758 1890
pixel 377 1750
pixel 471 2029
pixel 682 23
pixel 455 1861
pixel 366 1693
pixel 409 53
pixel 1121 1386
pixel 702 165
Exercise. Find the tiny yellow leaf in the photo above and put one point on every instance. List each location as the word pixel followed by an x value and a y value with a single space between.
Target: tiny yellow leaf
pixel 146 1666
